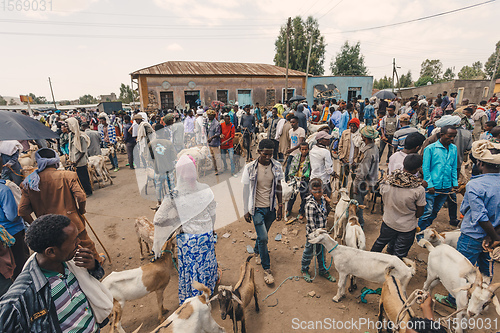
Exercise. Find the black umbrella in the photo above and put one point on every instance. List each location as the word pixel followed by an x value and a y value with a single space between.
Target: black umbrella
pixel 384 94
pixel 16 126
pixel 296 98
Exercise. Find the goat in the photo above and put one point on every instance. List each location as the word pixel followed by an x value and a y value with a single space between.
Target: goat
pixel 120 145
pixel 435 238
pixel 145 231
pixel 341 213
pixel 376 193
pixel 392 300
pixel 234 302
pixel 261 136
pixel 138 282
pixel 191 317
pixel 354 236
pixel 101 171
pixel 313 128
pixel 363 264
pixel 287 189
pixel 459 277
pixel 28 159
pixel 239 149
pixel 200 154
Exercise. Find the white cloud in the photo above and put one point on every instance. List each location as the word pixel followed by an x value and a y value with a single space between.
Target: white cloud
pixel 174 47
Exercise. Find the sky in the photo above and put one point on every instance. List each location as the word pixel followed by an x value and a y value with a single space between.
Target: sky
pixel 91 46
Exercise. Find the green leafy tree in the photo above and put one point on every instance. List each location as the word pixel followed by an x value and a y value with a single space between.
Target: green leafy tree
pixel 301 33
pixel 3 101
pixel 126 94
pixel 12 102
pixel 349 61
pixel 448 74
pixel 423 80
pixel 405 80
pixel 489 66
pixel 87 99
pixel 431 68
pixel 383 83
pixel 474 72
pixel 38 100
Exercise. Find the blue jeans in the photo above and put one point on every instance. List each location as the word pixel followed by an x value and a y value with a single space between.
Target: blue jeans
pixel 434 204
pixel 160 189
pixel 307 256
pixel 112 157
pixel 262 220
pixel 231 159
pixel 288 165
pixel 304 191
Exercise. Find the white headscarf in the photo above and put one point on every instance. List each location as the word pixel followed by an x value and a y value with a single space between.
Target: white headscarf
pixel 74 127
pixel 191 198
pixel 143 132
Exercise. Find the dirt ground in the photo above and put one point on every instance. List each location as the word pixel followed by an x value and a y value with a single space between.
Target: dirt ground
pixel 112 211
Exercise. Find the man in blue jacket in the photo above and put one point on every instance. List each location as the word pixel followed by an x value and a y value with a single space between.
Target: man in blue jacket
pixel 440 173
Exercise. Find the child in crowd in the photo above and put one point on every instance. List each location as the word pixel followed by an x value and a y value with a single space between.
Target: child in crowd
pixel 488 126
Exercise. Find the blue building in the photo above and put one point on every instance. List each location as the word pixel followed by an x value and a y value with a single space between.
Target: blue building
pixel 338 87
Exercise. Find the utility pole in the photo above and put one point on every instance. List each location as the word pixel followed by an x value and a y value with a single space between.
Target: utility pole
pixel 393 72
pixel 495 69
pixel 308 59
pixel 288 26
pixel 52 92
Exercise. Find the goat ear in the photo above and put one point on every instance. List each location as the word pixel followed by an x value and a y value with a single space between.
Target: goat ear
pixel 497 304
pixel 214 298
pixel 237 299
pixel 434 234
pixel 466 287
pixel 361 206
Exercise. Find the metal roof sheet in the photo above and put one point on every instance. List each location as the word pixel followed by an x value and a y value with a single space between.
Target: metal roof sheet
pixel 194 68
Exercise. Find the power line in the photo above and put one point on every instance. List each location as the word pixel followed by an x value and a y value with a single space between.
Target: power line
pixel 418 19
pixel 338 3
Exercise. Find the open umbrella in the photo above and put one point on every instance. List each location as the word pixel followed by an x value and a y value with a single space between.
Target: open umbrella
pixel 296 98
pixel 16 126
pixel 384 94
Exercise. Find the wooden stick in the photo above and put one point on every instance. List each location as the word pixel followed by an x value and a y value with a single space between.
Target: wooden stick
pixel 97 237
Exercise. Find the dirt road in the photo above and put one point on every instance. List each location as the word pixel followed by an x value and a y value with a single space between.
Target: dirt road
pixel 112 212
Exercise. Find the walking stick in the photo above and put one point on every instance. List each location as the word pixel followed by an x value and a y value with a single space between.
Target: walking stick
pixel 95 234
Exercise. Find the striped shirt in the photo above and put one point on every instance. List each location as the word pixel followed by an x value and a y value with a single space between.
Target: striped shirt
pixel 73 310
pixel 111 134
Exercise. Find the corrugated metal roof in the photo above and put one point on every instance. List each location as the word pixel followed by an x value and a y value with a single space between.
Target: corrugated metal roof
pixel 194 68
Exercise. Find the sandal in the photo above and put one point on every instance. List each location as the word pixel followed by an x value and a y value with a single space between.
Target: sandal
pixel 257 259
pixel 306 276
pixel 300 217
pixel 329 277
pixel 444 300
pixel 268 277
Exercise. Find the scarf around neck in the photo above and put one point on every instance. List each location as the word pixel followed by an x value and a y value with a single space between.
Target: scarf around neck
pixel 403 179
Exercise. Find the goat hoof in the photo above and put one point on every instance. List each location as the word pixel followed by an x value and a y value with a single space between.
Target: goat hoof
pixel 354 287
pixel 335 299
pixel 350 289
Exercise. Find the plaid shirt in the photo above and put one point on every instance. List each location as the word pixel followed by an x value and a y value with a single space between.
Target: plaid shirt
pixel 28 305
pixel 316 214
pixel 111 134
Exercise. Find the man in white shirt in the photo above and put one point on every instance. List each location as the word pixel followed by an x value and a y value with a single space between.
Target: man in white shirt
pixel 297 135
pixel 189 128
pixel 413 143
pixel 199 128
pixel 321 161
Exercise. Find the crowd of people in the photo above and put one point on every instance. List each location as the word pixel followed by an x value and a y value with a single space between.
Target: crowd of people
pixel 430 144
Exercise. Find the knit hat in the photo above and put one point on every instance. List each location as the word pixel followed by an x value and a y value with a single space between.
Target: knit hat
pixel 354 121
pixel 369 132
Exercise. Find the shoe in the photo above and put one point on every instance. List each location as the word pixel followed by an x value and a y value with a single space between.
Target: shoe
pixel 235 175
pixel 445 301
pixel 300 217
pixel 257 259
pixel 455 223
pixel 268 277
pixel 116 169
pixel 127 164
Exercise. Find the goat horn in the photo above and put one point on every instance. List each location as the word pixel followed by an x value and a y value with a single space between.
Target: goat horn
pixel 214 298
pixel 479 277
pixel 237 299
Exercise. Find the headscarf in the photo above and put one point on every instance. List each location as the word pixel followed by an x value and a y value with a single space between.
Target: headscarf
pixel 143 131
pixel 354 121
pixel 74 128
pixel 403 179
pixel 105 116
pixel 210 111
pixel 448 120
pixel 478 114
pixel 168 117
pixel 33 179
pixel 481 150
pixel 300 108
pixel 369 132
pixel 190 199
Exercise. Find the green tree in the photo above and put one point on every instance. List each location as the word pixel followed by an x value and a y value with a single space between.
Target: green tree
pixel 405 80
pixel 3 101
pixel 87 99
pixel 489 66
pixel 448 74
pixel 383 83
pixel 431 68
pixel 38 100
pixel 474 72
pixel 349 61
pixel 423 80
pixel 12 102
pixel 301 33
pixel 126 94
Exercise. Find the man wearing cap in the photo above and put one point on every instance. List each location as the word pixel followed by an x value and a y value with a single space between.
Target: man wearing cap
pixel 440 173
pixel 480 227
pixel 398 140
pixel 349 150
pixel 388 127
pixel 493 112
pixel 321 161
pixel 367 170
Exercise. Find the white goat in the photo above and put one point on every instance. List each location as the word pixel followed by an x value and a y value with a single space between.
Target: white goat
pixel 459 277
pixel 287 189
pixel 313 128
pixel 138 282
pixel 450 238
pixel 192 317
pixel 145 231
pixel 341 214
pixel 101 171
pixel 261 136
pixel 354 236
pixel 363 264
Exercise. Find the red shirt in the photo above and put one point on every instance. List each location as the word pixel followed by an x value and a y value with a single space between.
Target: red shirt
pixel 228 132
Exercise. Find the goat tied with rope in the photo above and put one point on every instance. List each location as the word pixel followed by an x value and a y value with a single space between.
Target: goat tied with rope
pixel 354 235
